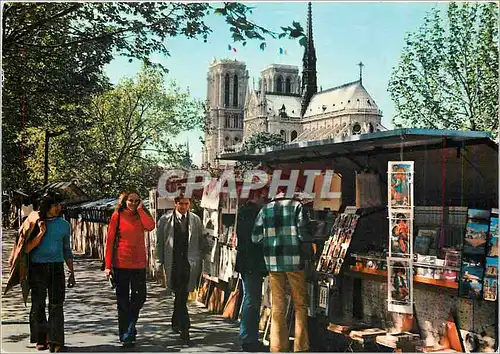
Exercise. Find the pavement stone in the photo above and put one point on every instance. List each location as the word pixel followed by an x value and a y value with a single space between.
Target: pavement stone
pixel 91 323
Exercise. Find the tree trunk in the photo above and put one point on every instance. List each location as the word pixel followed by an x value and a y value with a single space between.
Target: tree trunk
pixel 46 159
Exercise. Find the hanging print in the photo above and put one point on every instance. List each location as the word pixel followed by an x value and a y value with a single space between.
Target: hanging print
pixel 476 232
pixel 493 236
pixel 400 234
pixel 400 292
pixel 401 184
pixel 400 259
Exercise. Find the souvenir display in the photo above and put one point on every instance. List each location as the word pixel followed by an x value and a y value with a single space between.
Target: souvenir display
pixel 400 292
pixel 493 234
pixel 425 239
pixel 400 234
pixel 471 278
pixel 474 254
pixel 476 232
pixel 490 282
pixel 211 222
pixel 368 190
pixel 477 343
pixel 211 195
pixel 323 297
pixel 322 203
pixel 400 259
pixel 401 184
pixel 336 246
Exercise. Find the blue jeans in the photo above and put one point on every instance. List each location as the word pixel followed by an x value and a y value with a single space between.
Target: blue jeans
pixel 130 296
pixel 250 313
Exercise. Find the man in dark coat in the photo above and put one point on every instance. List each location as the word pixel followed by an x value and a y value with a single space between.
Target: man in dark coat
pixel 252 267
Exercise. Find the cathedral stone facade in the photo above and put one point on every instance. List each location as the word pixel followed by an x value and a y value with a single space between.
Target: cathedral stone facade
pixel 284 103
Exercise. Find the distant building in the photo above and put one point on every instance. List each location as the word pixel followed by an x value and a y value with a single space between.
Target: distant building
pixel 284 103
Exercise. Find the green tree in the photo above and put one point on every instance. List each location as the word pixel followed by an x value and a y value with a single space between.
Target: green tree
pixel 255 141
pixel 53 56
pixel 447 76
pixel 130 135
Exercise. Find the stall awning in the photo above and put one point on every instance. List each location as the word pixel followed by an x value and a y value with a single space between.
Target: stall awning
pixel 365 144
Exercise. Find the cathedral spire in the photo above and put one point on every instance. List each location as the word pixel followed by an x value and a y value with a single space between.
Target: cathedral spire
pixel 309 80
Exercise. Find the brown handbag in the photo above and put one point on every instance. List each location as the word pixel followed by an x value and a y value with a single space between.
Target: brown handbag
pixel 231 308
pixel 212 300
pixel 220 302
pixel 203 292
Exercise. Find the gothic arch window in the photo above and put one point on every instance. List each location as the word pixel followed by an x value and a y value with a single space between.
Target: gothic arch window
pixel 235 91
pixel 227 119
pixel 288 85
pixel 370 128
pixel 236 118
pixel 283 134
pixel 226 90
pixel 279 84
pixel 294 135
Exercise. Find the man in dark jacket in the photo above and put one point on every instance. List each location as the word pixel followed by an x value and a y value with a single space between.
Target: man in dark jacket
pixel 250 264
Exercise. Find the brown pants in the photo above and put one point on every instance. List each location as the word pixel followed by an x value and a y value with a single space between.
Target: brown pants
pixel 279 329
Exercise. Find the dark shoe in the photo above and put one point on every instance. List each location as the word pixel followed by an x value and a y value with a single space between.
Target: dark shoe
pixel 42 346
pixel 175 329
pixel 185 337
pixel 128 344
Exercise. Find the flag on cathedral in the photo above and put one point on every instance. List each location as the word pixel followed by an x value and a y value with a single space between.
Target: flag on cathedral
pixel 231 48
pixel 283 51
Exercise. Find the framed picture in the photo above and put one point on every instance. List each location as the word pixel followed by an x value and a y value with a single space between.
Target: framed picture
pixel 400 191
pixel 476 236
pixel 400 288
pixel 490 288
pixel 493 240
pixel 425 241
pixel 211 194
pixel 471 277
pixel 323 297
pixel 211 222
pixel 400 224
pixel 476 343
pixel 491 267
pixel 338 267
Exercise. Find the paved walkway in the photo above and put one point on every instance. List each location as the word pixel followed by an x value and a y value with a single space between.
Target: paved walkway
pixel 91 317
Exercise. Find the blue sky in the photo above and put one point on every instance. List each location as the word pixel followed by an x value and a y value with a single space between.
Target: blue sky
pixel 344 34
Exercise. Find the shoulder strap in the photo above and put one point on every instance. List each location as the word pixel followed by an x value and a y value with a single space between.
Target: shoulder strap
pixel 117 238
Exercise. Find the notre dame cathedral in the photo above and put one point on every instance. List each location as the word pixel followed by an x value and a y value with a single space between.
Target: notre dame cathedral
pixel 284 103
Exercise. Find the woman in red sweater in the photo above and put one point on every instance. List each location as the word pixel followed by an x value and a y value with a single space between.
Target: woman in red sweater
pixel 128 250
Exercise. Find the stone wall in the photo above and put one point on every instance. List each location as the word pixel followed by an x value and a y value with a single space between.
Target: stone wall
pixel 432 305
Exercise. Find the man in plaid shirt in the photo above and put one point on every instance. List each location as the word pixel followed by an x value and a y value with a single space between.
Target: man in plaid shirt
pixel 282 226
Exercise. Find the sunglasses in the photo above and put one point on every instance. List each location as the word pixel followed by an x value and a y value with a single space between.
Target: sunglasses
pixel 133 200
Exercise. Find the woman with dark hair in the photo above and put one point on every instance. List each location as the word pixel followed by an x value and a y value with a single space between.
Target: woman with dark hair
pixel 126 254
pixel 48 252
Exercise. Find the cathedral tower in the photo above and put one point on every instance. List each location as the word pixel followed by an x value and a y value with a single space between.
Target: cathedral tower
pixel 227 82
pixel 309 80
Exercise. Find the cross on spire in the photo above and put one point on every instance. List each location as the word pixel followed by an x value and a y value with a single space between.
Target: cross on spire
pixel 360 64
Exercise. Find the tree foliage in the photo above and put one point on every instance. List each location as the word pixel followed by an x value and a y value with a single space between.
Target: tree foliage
pixel 447 76
pixel 131 135
pixel 256 141
pixel 53 57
